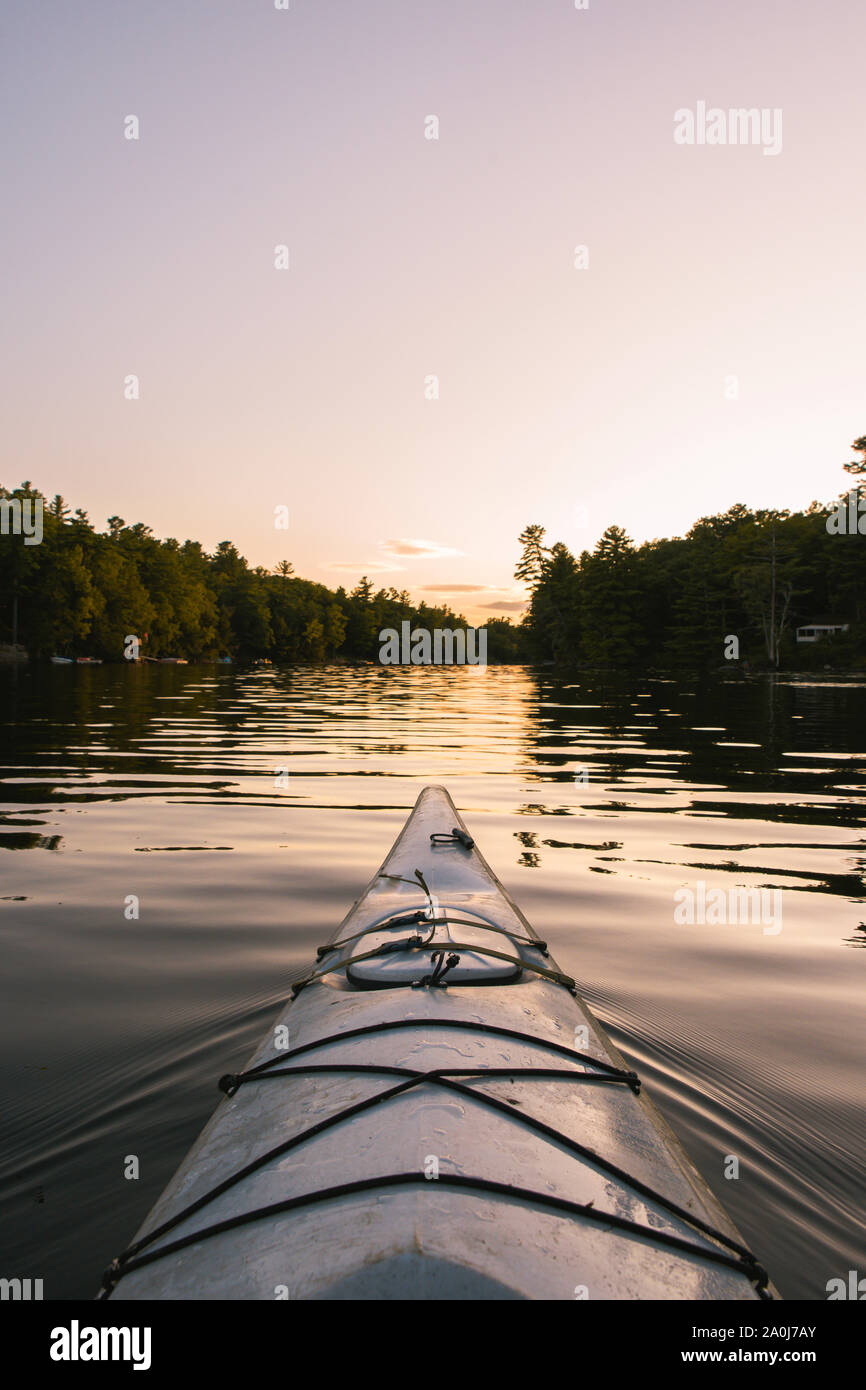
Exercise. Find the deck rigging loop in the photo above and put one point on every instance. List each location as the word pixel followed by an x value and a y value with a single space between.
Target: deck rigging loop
pixel 453 837
pixel 557 977
pixel 441 966
pixel 413 883
pixel 431 915
pixel 404 919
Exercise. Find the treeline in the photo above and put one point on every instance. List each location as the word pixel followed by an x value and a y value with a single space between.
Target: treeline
pixel 737 585
pixel 755 576
pixel 81 592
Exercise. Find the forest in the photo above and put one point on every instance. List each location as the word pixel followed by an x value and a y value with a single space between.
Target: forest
pixel 82 592
pixel 756 576
pixel 670 604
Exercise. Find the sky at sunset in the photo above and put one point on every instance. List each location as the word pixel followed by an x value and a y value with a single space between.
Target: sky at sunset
pixel 573 397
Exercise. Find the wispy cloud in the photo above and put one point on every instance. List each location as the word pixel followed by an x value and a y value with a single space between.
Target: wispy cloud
pixel 419 550
pixel 458 589
pixel 391 552
pixel 509 600
pixel 364 566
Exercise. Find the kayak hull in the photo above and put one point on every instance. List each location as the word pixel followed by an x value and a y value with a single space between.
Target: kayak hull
pixel 457 1187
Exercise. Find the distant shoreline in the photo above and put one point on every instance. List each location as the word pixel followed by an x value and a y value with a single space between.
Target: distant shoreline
pixel 554 669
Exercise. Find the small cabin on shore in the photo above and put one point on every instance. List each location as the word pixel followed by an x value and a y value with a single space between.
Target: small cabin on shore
pixel 814 632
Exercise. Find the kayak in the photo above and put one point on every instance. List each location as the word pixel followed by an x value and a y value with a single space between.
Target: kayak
pixel 436 1114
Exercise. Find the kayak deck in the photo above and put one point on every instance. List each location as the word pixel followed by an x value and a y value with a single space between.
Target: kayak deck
pixel 404 1133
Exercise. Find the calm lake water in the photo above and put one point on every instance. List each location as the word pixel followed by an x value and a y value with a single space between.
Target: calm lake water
pixel 160 782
